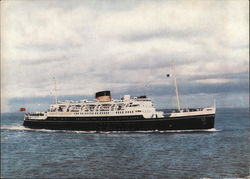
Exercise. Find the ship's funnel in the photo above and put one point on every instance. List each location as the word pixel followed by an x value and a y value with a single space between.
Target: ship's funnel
pixel 103 96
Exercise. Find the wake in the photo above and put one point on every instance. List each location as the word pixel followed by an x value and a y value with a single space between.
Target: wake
pixel 22 128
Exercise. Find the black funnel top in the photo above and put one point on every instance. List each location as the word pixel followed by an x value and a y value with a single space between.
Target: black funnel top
pixel 102 93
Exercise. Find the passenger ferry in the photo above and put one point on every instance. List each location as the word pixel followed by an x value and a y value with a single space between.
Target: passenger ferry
pixel 126 114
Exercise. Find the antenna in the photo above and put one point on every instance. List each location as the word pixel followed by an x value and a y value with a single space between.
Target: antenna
pixel 176 89
pixel 55 94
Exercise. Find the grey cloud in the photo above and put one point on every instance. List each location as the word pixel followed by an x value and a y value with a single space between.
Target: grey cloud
pixel 47 60
pixel 231 87
pixel 104 6
pixel 48 46
pixel 152 60
pixel 159 60
pixel 239 76
pixel 194 88
pixel 169 33
pixel 234 46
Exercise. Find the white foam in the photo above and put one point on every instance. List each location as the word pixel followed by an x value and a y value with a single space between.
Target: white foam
pixel 196 130
pixel 179 131
pixel 151 131
pixel 22 128
pixel 14 128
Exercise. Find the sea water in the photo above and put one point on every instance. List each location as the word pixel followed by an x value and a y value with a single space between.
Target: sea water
pixel 222 152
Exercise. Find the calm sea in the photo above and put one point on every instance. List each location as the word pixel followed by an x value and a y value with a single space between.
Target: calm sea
pixel 223 152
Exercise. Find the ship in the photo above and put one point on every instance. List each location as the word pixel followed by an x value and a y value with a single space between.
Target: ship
pixel 126 114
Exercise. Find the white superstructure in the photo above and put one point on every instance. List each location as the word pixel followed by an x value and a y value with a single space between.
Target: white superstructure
pixel 127 106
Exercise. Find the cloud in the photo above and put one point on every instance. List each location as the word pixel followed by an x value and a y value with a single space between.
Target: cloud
pixel 93 45
pixel 163 33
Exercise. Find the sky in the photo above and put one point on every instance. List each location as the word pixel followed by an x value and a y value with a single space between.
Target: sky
pixel 127 47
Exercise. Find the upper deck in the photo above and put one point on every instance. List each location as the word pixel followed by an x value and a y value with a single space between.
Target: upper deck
pixel 125 106
pixel 105 106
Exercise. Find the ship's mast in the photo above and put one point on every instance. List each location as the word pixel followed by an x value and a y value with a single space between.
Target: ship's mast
pixel 55 92
pixel 176 89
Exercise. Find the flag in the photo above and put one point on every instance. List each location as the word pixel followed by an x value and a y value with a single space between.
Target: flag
pixel 22 109
pixel 168 75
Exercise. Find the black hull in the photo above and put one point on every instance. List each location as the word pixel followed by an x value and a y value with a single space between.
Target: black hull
pixel 116 124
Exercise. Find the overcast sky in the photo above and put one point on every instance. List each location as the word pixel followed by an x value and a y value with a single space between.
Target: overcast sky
pixel 125 46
